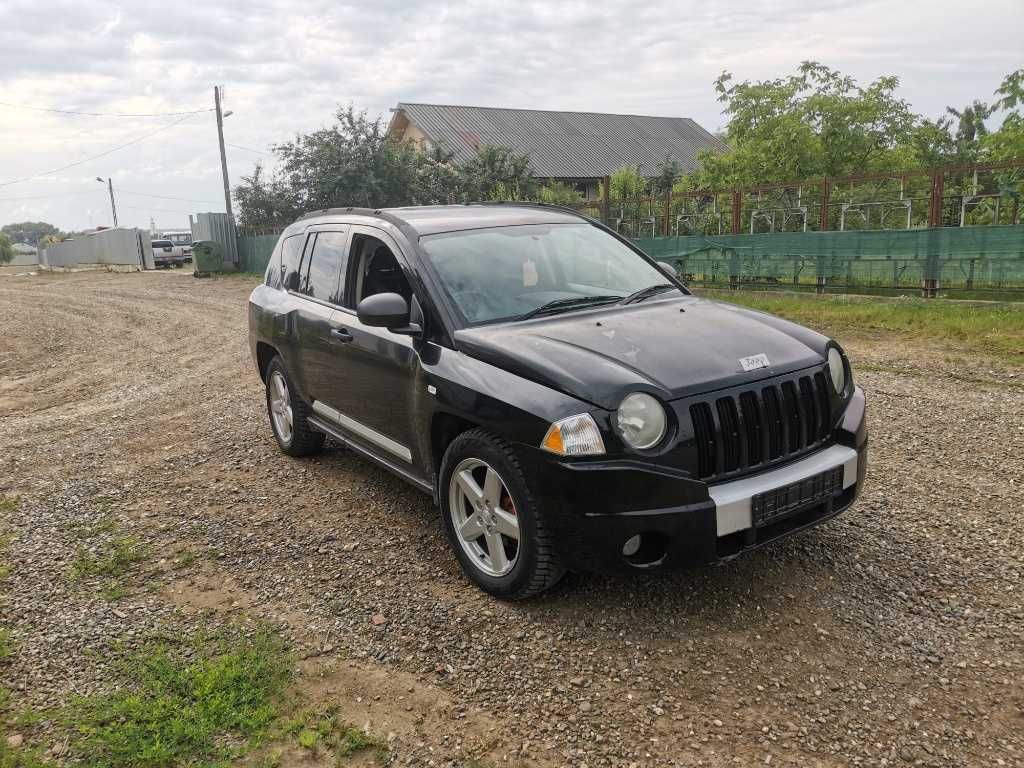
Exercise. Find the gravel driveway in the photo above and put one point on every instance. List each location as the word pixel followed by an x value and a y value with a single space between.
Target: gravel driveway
pixel 891 636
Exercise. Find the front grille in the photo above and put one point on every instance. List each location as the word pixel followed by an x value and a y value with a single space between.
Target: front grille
pixel 761 425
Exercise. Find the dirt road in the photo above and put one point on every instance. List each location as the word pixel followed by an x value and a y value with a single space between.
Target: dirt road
pixel 891 636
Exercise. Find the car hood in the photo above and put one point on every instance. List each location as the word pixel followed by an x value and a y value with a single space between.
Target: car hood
pixel 670 347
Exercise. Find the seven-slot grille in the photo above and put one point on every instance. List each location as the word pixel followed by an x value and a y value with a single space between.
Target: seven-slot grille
pixel 761 425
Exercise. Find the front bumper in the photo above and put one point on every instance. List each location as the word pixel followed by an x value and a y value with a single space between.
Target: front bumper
pixel 596 507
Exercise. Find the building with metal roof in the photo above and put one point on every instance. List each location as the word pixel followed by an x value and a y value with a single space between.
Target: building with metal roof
pixel 574 147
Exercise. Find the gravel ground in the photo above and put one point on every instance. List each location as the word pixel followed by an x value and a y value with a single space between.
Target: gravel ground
pixel 891 636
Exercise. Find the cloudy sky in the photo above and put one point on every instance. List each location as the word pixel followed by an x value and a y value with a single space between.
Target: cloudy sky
pixel 286 67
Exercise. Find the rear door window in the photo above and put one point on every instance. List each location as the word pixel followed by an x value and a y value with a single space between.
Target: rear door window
pixel 326 263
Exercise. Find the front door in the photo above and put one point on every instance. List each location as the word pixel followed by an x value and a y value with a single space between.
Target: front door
pixel 374 369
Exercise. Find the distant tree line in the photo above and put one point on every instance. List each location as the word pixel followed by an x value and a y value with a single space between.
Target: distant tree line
pixel 815 122
pixel 32 233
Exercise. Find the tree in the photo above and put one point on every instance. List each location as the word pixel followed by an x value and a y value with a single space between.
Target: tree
pixel 6 250
pixel 352 163
pixel 497 173
pixel 355 163
pixel 1007 143
pixel 263 203
pixel 669 172
pixel 815 122
pixel 30 232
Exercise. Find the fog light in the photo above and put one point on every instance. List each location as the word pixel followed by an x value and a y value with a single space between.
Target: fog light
pixel 632 546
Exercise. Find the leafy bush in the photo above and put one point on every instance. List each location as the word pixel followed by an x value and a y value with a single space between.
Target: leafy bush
pixel 627 183
pixel 6 250
pixel 558 193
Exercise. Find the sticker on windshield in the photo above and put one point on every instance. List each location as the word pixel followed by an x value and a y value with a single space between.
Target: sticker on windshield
pixel 754 362
pixel 529 274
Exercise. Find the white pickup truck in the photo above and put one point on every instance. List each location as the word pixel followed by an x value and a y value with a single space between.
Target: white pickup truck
pixel 181 241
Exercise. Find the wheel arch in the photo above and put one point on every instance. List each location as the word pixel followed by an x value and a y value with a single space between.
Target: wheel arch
pixel 264 354
pixel 444 428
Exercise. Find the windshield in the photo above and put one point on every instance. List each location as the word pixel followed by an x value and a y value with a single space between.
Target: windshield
pixel 508 272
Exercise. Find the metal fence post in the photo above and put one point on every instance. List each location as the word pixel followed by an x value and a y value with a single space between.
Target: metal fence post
pixel 734 271
pixel 938 190
pixel 826 194
pixel 737 211
pixel 821 274
pixel 668 211
pixel 606 190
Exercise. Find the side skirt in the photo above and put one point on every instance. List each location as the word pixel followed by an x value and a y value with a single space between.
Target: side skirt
pixel 328 429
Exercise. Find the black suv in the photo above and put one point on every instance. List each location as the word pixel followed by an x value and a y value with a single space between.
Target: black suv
pixel 568 404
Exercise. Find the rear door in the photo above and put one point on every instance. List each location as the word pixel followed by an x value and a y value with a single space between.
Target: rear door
pixel 318 291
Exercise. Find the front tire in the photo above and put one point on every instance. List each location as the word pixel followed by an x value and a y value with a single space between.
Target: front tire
pixel 496 528
pixel 288 413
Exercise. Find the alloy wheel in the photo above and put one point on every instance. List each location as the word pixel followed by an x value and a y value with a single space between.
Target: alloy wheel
pixel 484 517
pixel 281 406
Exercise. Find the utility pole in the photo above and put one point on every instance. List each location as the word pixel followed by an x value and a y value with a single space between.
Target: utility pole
pixel 113 207
pixel 223 157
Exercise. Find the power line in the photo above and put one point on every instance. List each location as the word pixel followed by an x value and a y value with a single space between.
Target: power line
pixel 160 210
pixel 105 114
pixel 101 154
pixel 51 196
pixel 164 197
pixel 245 149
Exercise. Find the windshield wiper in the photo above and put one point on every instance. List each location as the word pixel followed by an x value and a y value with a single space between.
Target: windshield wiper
pixel 646 293
pixel 572 302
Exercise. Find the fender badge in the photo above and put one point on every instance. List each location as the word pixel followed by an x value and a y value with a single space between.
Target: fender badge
pixel 754 362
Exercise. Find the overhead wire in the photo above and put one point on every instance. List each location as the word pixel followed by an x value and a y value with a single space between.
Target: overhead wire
pixel 164 197
pixel 105 114
pixel 158 210
pixel 245 149
pixel 54 195
pixel 101 154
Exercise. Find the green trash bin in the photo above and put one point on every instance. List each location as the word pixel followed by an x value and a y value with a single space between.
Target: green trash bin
pixel 207 257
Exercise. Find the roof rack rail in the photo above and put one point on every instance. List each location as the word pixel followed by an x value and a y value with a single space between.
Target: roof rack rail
pixel 347 209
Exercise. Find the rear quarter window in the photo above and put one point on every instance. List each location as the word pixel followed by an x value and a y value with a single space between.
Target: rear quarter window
pixel 291 257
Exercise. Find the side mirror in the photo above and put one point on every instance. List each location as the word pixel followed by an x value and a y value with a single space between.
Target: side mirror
pixel 387 310
pixel 668 269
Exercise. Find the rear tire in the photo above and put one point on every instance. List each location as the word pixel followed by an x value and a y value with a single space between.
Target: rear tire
pixel 289 413
pixel 495 526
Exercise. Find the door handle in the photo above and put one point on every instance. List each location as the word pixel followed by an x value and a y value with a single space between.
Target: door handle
pixel 341 335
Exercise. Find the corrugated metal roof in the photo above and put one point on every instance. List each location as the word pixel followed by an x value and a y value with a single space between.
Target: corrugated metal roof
pixel 565 144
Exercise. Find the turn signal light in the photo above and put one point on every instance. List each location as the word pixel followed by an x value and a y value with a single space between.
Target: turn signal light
pixel 574 436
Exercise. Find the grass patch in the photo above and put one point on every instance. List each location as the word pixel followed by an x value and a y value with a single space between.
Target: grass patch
pixel 106 524
pixel 196 707
pixel 19 757
pixel 5 569
pixel 113 558
pixel 113 591
pixel 995 329
pixel 6 645
pixel 9 504
pixel 324 731
pixel 185 557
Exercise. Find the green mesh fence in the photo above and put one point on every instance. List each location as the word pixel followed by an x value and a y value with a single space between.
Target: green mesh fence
pixel 968 259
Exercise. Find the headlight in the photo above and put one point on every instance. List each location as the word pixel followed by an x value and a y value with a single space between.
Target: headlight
pixel 574 436
pixel 641 420
pixel 837 370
